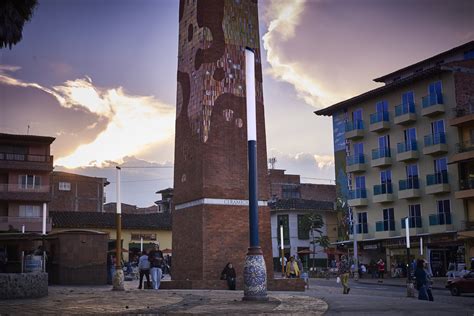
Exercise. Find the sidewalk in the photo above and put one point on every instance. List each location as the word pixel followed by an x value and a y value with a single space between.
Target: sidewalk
pixel 102 300
pixel 438 283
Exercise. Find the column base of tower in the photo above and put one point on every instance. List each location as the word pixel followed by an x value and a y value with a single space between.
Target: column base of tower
pixel 272 285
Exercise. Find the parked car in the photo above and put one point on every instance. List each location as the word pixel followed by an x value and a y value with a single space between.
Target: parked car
pixel 464 284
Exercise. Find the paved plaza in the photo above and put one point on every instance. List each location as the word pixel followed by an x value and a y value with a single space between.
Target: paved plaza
pixel 82 300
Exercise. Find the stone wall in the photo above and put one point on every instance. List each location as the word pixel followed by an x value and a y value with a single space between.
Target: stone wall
pixel 23 285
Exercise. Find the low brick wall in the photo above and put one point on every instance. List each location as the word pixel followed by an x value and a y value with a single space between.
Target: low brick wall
pixel 23 285
pixel 272 285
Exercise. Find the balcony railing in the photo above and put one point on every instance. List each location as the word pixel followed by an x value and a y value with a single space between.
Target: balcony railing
pixel 354 125
pixel 406 108
pixel 379 117
pixel 8 187
pixel 25 157
pixel 23 219
pixel 440 219
pixel 413 222
pixel 409 146
pixel 383 226
pixel 437 178
pixel 355 159
pixel 465 146
pixel 385 188
pixel 466 184
pixel 380 153
pixel 435 139
pixel 432 99
pixel 410 183
pixel 358 194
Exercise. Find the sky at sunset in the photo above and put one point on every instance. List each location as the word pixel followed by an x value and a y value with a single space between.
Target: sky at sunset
pixel 100 76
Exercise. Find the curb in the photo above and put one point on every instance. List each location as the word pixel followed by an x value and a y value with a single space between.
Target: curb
pixel 397 285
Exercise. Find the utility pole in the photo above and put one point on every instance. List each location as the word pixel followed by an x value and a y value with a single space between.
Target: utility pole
pixel 354 233
pixel 118 281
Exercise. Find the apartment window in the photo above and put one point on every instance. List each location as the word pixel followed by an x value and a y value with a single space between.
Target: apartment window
pixel 30 210
pixel 303 228
pixel 283 219
pixel 408 98
pixel 64 186
pixel 28 181
pixel 362 223
pixel 440 165
pixel 360 182
pixel 358 149
pixel 357 115
pixel 414 215
pixel 290 192
pixel 409 136
pixel 384 144
pixel 386 181
pixel 381 106
pixel 435 90
pixel 437 127
pixel 388 219
pixel 444 211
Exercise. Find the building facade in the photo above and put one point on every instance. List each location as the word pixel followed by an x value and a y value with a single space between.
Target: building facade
pixel 291 202
pixel 77 193
pixel 394 149
pixel 25 176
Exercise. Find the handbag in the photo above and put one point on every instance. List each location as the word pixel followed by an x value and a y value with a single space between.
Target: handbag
pixel 338 280
pixel 223 276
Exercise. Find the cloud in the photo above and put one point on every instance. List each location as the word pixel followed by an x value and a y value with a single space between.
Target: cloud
pixel 134 122
pixel 284 16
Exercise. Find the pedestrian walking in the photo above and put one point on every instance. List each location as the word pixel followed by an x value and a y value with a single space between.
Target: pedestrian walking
pixel 229 274
pixel 156 261
pixel 144 270
pixel 344 275
pixel 381 270
pixel 429 281
pixel 421 280
pixel 292 270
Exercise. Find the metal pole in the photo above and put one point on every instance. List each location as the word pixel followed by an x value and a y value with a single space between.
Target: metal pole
pixel 22 261
pixel 354 231
pixel 118 281
pixel 23 228
pixel 141 244
pixel 421 246
pixel 44 218
pixel 410 288
pixel 282 246
pixel 255 273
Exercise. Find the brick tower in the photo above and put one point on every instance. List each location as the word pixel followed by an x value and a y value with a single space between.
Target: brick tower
pixel 210 220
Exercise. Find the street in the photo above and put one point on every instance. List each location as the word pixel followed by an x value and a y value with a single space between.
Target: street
pixel 379 299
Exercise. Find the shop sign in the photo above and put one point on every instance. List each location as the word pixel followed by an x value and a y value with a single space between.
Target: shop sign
pixel 370 247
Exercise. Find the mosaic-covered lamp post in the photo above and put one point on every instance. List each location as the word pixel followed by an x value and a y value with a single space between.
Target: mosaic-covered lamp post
pixel 255 271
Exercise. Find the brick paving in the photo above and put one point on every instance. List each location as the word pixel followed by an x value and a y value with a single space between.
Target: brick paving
pixel 82 300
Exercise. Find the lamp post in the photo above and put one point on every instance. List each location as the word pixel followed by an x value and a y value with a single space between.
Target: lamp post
pixel 118 281
pixel 410 288
pixel 255 271
pixel 282 246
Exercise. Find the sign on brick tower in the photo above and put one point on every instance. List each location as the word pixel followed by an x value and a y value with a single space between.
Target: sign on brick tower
pixel 211 196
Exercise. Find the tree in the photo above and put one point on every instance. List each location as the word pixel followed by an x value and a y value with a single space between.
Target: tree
pixel 13 15
pixel 313 222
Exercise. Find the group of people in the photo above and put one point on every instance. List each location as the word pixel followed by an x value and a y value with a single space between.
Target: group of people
pixel 151 264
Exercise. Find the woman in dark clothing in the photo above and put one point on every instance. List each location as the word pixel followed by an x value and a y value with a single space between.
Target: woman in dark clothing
pixel 229 274
pixel 421 280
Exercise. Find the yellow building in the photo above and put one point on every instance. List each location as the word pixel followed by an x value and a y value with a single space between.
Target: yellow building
pixel 153 228
pixel 405 151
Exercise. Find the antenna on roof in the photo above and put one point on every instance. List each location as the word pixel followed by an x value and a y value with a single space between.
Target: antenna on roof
pixel 28 130
pixel 272 161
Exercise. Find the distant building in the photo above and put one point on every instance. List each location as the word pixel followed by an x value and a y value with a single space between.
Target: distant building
pixel 25 176
pixel 165 205
pixel 405 150
pixel 77 193
pixel 126 208
pixel 153 228
pixel 291 201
